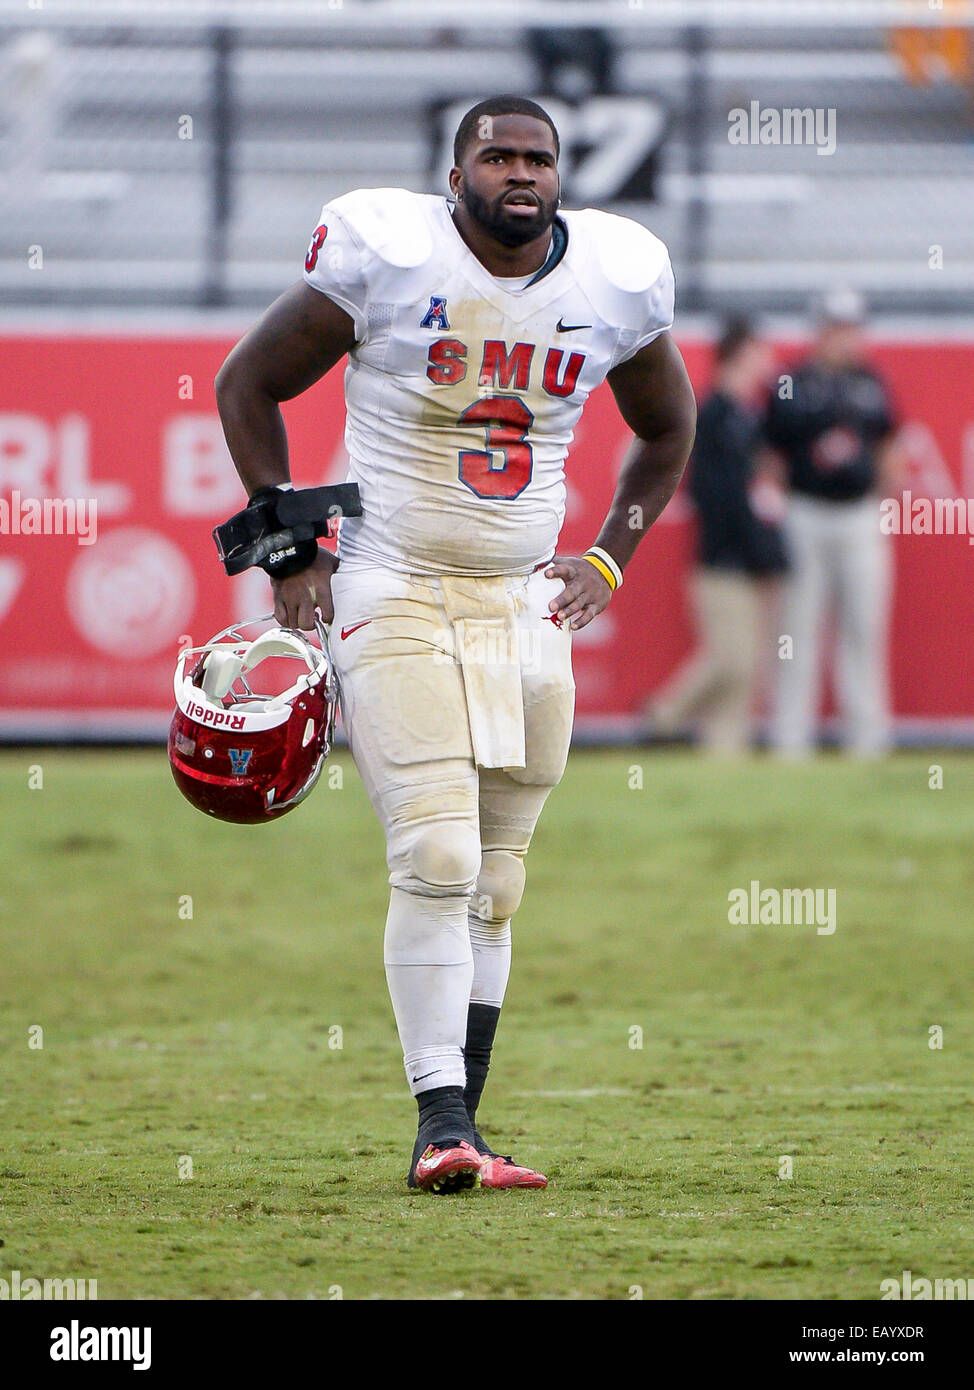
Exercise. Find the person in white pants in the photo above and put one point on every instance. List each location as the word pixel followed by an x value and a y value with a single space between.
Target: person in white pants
pixel 832 421
pixel 475 328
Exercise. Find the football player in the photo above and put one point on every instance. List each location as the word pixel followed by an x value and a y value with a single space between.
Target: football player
pixel 475 327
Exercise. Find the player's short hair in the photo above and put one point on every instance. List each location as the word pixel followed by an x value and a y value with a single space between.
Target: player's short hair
pixel 735 334
pixel 469 127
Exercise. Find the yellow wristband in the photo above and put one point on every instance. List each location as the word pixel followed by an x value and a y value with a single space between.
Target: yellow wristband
pixel 603 569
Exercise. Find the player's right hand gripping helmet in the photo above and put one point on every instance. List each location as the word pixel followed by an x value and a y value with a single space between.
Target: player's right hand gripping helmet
pixel 239 754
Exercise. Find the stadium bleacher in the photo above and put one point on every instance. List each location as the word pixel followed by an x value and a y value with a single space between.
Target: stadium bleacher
pixel 131 205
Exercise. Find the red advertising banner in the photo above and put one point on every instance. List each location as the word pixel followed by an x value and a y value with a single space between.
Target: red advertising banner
pixel 94 601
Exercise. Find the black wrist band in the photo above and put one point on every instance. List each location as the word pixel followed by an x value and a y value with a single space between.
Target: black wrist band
pixel 291 559
pixel 278 530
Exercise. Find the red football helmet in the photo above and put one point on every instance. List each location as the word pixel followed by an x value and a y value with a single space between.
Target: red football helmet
pixel 239 754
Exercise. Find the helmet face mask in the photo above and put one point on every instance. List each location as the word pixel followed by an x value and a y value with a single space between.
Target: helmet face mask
pixel 245 754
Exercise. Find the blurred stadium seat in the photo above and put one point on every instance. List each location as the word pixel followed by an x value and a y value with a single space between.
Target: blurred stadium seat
pixel 287 111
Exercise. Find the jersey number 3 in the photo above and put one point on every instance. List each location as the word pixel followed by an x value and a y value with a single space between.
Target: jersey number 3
pixel 311 259
pixel 504 468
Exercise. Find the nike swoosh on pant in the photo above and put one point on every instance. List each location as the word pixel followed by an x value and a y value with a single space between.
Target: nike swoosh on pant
pixel 347 631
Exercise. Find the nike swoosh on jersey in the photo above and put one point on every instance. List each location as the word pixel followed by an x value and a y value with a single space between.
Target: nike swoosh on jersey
pixel 347 631
pixel 562 327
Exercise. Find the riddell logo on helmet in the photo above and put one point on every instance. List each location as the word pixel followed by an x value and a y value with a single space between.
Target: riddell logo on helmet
pixel 216 717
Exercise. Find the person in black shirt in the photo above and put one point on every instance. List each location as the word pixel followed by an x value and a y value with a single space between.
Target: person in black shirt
pixel 832 422
pixel 740 551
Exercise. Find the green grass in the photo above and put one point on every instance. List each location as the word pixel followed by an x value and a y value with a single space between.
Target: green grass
pixel 210 1038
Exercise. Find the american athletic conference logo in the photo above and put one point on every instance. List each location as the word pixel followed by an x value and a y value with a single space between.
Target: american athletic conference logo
pixel 435 316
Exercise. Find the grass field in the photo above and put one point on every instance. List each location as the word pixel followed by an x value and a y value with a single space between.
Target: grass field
pixel 214 1037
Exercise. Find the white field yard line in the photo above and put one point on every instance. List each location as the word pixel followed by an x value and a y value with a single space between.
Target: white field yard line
pixel 881 1088
pixel 594 1092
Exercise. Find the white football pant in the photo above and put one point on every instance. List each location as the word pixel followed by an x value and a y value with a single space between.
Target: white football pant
pixel 430 669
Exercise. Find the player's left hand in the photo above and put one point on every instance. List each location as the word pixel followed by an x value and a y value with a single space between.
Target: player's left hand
pixel 585 593
pixel 297 597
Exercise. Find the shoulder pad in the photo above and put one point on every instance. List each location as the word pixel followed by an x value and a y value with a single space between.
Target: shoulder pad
pixel 628 255
pixel 391 223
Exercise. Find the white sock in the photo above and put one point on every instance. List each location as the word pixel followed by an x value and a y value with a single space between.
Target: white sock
pixel 491 946
pixel 429 969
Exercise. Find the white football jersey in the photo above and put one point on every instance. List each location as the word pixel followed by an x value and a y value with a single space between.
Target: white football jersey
pixel 463 390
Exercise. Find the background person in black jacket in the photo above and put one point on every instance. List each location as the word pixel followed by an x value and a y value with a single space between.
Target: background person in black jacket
pixel 740 551
pixel 833 424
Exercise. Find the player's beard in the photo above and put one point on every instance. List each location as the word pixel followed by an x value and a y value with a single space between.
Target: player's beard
pixel 507 228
